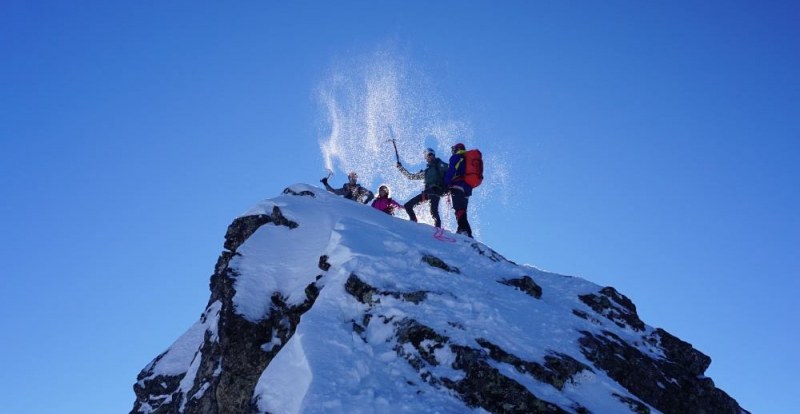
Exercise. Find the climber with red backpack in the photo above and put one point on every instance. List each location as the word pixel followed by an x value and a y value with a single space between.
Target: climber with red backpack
pixel 464 173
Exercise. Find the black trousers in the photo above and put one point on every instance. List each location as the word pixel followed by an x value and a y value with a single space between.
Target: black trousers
pixel 460 204
pixel 420 198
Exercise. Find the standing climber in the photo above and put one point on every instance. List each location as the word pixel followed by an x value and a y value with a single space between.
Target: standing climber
pixel 459 189
pixel 433 174
pixel 384 202
pixel 351 189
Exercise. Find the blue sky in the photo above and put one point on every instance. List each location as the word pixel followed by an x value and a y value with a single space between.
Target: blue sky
pixel 649 146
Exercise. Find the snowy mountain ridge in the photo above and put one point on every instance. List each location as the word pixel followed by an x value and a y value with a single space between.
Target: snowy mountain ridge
pixel 322 305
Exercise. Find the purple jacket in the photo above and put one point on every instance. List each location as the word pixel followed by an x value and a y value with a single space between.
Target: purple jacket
pixel 454 177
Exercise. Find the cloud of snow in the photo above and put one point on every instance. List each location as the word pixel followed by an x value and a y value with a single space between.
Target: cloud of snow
pixel 366 101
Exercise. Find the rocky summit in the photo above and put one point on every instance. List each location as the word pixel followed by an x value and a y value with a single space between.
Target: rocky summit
pixel 322 305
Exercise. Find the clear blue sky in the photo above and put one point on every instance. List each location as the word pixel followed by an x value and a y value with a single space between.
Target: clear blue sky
pixel 651 146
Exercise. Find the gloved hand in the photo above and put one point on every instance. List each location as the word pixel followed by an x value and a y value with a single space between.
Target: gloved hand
pixel 324 180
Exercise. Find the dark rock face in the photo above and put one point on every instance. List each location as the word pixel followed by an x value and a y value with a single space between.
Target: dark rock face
pixel 368 295
pixel 483 385
pixel 230 364
pixel 525 284
pixel 616 307
pixel 672 384
pixel 491 254
pixel 557 371
pixel 301 193
pixel 439 263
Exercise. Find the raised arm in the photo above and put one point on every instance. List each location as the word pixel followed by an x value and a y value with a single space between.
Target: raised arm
pixel 411 176
pixel 327 186
pixel 342 191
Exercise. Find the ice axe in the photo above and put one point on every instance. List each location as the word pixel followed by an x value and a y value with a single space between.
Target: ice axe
pixel 325 180
pixel 394 143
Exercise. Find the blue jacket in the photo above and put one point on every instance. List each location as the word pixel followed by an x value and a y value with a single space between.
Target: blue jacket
pixel 454 177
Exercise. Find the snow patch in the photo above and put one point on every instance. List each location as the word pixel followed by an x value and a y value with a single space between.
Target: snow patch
pixel 283 385
pixel 182 353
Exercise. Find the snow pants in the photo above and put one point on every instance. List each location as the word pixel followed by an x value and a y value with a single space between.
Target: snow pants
pixel 460 204
pixel 421 198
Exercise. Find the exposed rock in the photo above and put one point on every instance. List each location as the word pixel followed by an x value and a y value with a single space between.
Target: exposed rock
pixel 491 254
pixel 323 263
pixel 557 371
pixel 484 386
pixel 230 364
pixel 244 227
pixel 665 384
pixel 439 263
pixel 636 406
pixel 583 315
pixel 300 193
pixel 368 295
pixel 361 291
pixel 424 339
pixel 682 353
pixel 525 284
pixel 616 307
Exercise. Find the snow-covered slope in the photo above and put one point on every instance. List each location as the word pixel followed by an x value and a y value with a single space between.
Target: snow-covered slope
pixel 323 305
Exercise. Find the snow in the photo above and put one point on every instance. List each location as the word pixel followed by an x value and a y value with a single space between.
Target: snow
pixel 185 350
pixel 328 367
pixel 278 394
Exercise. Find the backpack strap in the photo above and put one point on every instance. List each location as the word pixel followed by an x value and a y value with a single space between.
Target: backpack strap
pixel 455 168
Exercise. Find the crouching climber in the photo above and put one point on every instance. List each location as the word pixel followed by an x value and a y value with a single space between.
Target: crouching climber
pixel 384 202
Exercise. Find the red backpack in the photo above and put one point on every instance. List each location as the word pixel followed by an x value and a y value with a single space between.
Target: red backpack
pixel 473 170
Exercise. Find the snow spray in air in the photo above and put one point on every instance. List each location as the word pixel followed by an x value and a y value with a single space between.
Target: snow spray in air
pixel 365 103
